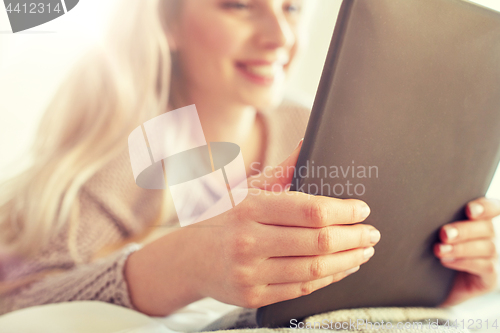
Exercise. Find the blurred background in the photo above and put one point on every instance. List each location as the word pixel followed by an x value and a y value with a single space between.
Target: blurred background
pixel 34 62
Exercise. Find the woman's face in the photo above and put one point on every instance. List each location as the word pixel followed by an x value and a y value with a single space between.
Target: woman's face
pixel 238 51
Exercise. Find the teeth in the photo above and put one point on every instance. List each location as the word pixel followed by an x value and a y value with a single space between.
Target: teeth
pixel 263 70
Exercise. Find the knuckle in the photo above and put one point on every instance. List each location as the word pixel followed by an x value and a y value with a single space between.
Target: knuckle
pixel 331 280
pixel 347 212
pixel 248 209
pixel 241 277
pixel 251 298
pixel 326 240
pixel 316 212
pixel 306 288
pixel 352 212
pixel 239 213
pixel 242 246
pixel 317 268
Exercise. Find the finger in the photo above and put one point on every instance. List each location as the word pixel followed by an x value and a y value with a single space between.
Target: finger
pixel 281 292
pixel 277 241
pixel 461 231
pixel 280 176
pixel 484 248
pixel 303 210
pixel 302 269
pixel 478 266
pixel 483 208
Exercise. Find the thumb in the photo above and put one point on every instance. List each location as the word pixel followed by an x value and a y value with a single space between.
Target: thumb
pixel 280 176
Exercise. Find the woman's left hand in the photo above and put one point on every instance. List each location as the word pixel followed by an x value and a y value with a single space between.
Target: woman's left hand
pixel 469 247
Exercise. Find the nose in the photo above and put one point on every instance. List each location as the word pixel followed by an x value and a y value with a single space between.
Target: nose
pixel 276 32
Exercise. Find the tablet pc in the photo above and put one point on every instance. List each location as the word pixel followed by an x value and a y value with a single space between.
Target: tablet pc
pixel 407 119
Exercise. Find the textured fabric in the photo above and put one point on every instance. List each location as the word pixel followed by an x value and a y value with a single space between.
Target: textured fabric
pixel 365 320
pixel 100 280
pixel 114 209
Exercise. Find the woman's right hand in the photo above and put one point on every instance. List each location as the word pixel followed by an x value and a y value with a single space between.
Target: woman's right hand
pixel 272 247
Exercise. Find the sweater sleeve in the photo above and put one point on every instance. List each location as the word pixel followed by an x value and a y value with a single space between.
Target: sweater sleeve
pixel 102 280
pixel 112 211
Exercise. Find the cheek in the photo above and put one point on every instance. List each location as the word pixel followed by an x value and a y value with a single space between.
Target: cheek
pixel 212 37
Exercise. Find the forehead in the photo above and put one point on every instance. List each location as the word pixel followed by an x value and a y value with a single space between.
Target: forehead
pixel 270 3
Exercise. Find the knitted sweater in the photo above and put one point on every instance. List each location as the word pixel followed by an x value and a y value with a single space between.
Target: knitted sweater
pixel 114 209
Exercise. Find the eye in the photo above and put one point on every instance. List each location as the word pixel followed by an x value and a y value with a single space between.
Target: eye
pixel 237 5
pixel 292 8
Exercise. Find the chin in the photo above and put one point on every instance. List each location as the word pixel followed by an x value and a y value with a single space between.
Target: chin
pixel 268 100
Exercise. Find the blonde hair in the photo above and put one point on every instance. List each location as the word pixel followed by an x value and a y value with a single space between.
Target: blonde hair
pixel 111 91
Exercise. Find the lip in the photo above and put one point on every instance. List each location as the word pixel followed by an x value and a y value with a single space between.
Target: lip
pixel 242 67
pixel 259 62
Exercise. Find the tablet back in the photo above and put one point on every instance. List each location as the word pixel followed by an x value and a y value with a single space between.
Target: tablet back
pixel 406 118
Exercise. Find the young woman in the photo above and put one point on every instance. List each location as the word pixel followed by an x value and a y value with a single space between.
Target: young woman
pixel 71 224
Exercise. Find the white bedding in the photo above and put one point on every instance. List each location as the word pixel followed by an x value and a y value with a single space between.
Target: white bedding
pixel 99 317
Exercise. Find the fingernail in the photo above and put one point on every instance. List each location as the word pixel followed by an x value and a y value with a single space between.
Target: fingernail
pixel 352 270
pixel 445 248
pixel 368 252
pixel 475 209
pixel 300 142
pixel 364 211
pixel 374 236
pixel 451 232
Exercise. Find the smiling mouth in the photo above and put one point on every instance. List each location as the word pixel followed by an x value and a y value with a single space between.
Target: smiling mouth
pixel 260 73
